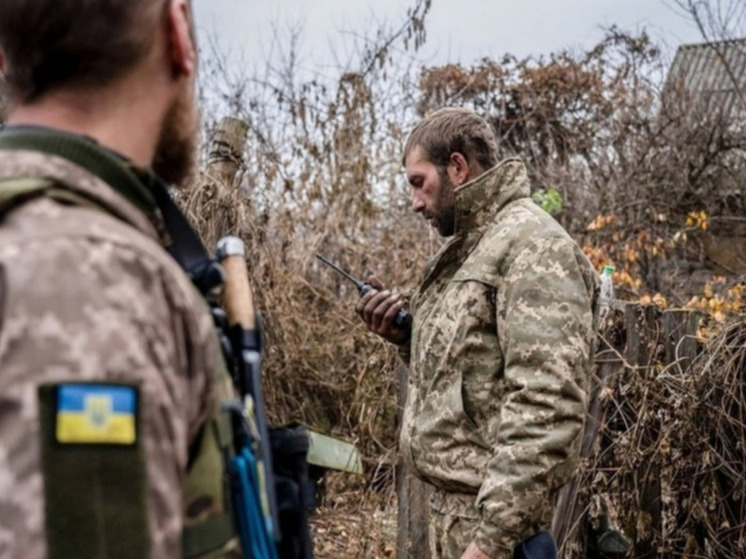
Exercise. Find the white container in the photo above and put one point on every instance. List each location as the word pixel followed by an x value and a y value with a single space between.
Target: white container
pixel 607 291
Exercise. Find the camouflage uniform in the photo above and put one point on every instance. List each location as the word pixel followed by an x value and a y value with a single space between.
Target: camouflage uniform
pixel 499 367
pixel 90 295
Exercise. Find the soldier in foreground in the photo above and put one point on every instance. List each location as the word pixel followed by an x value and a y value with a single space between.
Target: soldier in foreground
pixel 107 351
pixel 500 346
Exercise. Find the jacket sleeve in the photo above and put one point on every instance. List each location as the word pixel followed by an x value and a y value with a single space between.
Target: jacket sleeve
pixel 106 310
pixel 545 328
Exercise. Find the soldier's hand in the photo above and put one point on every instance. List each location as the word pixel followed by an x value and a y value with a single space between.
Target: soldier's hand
pixel 378 309
pixel 473 552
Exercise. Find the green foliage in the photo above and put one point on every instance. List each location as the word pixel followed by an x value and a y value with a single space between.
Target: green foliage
pixel 549 199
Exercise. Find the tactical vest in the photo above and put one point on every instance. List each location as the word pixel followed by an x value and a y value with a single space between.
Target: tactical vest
pixel 209 527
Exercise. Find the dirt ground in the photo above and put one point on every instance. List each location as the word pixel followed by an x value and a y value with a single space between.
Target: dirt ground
pixel 354 524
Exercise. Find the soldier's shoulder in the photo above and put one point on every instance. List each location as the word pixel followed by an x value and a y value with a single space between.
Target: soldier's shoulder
pixel 524 221
pixel 70 246
pixel 540 244
pixel 521 224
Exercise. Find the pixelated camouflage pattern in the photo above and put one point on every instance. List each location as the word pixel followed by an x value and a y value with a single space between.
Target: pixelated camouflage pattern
pixel 454 519
pixel 86 296
pixel 499 361
pixel 449 534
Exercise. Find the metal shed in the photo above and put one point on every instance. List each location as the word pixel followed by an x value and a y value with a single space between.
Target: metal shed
pixel 716 72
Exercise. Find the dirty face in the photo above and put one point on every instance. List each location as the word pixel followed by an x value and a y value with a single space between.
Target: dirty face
pixel 432 192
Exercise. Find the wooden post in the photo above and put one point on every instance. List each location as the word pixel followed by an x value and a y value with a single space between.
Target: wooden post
pixel 569 522
pixel 641 325
pixel 680 337
pixel 680 345
pixel 413 499
pixel 226 151
pixel 216 206
pixel 643 337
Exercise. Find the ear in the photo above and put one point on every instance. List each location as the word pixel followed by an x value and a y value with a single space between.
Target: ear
pixel 458 169
pixel 181 40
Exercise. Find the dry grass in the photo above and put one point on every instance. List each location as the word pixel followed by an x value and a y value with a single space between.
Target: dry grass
pixel 354 523
pixel 322 367
pixel 669 464
pixel 320 172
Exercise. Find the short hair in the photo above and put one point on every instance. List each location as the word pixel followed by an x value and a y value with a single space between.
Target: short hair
pixel 450 130
pixel 54 44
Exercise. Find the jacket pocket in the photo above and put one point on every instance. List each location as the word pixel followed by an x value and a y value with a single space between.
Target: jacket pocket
pixel 475 349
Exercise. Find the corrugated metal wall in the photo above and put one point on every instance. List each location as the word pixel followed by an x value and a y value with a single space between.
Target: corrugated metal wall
pixel 714 70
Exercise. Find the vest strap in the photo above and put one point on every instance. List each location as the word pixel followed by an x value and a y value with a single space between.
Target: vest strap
pixel 14 192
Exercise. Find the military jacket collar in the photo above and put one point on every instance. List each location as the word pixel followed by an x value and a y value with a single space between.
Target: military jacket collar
pixel 112 182
pixel 479 200
pixel 477 204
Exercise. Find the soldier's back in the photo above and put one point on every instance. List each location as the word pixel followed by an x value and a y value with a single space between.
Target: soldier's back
pixel 106 358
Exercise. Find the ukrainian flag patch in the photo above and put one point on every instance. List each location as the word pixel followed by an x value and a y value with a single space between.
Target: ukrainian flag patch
pixel 96 414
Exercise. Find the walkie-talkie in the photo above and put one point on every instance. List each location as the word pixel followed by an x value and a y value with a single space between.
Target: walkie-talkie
pixel 402 319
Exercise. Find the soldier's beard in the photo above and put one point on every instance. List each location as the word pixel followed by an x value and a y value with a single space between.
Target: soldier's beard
pixel 176 154
pixel 444 206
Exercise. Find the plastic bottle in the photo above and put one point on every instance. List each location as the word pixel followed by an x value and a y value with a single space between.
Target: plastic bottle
pixel 607 290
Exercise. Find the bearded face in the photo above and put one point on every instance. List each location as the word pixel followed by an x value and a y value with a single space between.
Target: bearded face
pixel 176 153
pixel 444 205
pixel 432 191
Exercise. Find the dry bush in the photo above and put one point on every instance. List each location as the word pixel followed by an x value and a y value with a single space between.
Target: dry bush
pixel 649 176
pixel 638 176
pixel 668 465
pixel 571 116
pixel 720 385
pixel 320 173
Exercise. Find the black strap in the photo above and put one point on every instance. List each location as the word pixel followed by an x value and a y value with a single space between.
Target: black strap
pixel 186 247
pixel 111 167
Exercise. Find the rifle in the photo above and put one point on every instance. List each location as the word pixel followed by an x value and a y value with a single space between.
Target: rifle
pixel 245 339
pixel 281 453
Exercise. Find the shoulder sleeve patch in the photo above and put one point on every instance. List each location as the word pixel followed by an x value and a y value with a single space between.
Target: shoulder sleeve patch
pixel 96 414
pixel 95 471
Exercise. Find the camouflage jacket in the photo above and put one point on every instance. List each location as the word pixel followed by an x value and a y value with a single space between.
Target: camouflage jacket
pixel 91 296
pixel 499 360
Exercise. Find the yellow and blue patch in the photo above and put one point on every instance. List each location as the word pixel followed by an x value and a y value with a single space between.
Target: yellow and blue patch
pixel 96 414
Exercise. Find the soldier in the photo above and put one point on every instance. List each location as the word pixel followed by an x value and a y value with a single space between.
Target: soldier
pixel 107 351
pixel 500 347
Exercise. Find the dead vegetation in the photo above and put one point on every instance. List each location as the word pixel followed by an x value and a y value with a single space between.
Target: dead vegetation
pixel 645 177
pixel 667 467
pixel 623 164
pixel 352 523
pixel 719 380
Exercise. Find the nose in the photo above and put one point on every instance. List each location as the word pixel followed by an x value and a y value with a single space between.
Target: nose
pixel 418 204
